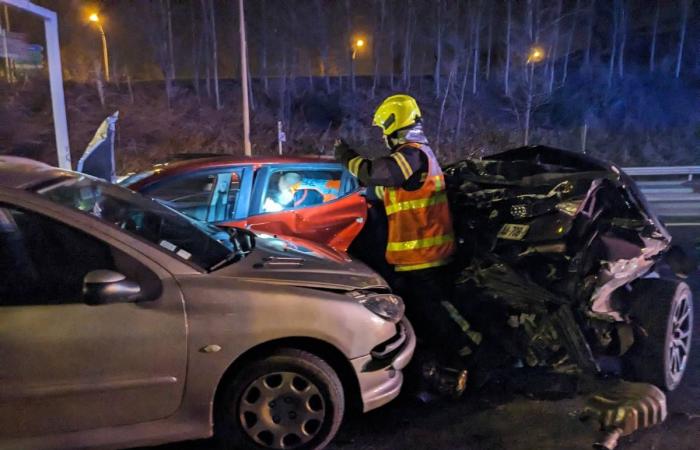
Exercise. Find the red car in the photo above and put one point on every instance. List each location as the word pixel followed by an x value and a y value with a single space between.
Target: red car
pixel 309 198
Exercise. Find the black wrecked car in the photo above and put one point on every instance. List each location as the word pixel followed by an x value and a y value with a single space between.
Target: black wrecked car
pixel 559 266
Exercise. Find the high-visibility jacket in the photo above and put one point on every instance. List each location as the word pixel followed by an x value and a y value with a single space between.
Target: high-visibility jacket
pixel 420 224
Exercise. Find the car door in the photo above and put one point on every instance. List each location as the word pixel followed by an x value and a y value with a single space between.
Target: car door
pixel 66 366
pixel 208 194
pixel 335 217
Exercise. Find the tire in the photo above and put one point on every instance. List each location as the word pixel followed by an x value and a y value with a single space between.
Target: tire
pixel 663 310
pixel 290 399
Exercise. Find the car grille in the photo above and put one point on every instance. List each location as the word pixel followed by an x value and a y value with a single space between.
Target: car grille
pixel 384 353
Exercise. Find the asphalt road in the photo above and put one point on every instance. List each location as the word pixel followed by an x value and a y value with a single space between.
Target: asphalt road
pixel 496 420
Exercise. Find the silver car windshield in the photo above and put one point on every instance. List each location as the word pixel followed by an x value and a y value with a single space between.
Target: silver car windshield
pixel 196 242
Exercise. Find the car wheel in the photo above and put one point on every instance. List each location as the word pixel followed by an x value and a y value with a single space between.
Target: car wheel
pixel 664 311
pixel 290 399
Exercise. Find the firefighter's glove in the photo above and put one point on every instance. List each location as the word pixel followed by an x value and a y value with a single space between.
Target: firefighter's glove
pixel 343 152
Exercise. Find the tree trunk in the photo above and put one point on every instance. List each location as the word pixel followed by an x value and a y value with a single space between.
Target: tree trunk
pixel 490 42
pixel 465 78
pixel 378 41
pixel 263 48
pixel 684 24
pixel 215 56
pixel 477 33
pixel 623 40
pixel 392 51
pixel 195 51
pixel 408 47
pixel 552 57
pixel 589 35
pixel 655 28
pixel 129 87
pixel 171 49
pixel 450 80
pixel 349 41
pixel 613 49
pixel 206 46
pixel 438 48
pixel 528 104
pixel 506 70
pixel 570 42
pixel 324 45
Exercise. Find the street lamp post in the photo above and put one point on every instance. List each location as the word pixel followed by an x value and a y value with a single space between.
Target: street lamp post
pixel 534 56
pixel 356 46
pixel 94 18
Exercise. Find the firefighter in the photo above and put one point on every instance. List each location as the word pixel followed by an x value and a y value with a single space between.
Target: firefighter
pixel 420 241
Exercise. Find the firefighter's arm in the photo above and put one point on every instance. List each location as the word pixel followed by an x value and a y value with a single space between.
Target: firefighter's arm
pixel 391 171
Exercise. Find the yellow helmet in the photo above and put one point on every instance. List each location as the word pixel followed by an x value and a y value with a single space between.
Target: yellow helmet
pixel 396 112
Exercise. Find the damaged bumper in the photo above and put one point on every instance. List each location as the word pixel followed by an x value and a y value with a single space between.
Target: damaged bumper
pixel 379 374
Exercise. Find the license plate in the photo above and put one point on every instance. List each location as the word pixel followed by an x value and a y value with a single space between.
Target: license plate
pixel 513 231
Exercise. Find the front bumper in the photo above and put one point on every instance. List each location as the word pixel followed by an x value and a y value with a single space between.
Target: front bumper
pixel 380 381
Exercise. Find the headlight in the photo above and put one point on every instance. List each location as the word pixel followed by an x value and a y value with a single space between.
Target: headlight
pixel 386 306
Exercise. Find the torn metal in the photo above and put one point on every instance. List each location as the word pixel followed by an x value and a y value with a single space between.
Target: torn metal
pixel 557 236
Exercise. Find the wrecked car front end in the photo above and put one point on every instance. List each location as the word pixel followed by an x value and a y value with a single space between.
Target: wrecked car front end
pixel 551 246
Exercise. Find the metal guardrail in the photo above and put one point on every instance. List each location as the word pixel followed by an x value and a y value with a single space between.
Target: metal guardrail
pixel 663 171
pixel 671 197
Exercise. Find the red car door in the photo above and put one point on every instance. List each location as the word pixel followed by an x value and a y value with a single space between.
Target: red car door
pixel 335 219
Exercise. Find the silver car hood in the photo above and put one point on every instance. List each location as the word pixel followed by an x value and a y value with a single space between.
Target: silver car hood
pixel 302 263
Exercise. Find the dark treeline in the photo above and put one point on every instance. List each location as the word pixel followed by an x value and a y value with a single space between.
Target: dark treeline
pixel 616 77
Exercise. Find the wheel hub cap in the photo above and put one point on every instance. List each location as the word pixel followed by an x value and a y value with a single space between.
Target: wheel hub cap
pixel 282 410
pixel 680 341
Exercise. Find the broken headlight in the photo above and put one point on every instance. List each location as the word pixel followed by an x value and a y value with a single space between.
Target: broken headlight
pixel 387 306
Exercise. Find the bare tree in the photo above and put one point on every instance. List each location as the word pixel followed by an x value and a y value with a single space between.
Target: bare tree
pixel 214 53
pixel 490 42
pixel 350 50
pixel 438 47
pixel 589 34
pixel 570 41
pixel 613 38
pixel 685 7
pixel 654 32
pixel 323 32
pixel 623 39
pixel 477 48
pixel 555 47
pixel 196 51
pixel 509 26
pixel 379 41
pixel 408 45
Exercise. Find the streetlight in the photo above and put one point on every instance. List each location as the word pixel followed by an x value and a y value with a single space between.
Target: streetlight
pixel 94 18
pixel 358 44
pixel 536 55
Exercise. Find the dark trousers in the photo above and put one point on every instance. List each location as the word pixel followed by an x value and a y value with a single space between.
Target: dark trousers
pixel 424 292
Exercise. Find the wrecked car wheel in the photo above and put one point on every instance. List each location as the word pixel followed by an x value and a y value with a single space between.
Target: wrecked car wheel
pixel 289 400
pixel 663 309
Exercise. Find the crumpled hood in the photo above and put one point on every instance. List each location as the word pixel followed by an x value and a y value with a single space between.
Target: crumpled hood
pixel 303 263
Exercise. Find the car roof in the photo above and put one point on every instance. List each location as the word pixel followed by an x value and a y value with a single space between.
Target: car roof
pixel 182 161
pixel 23 173
pixel 184 164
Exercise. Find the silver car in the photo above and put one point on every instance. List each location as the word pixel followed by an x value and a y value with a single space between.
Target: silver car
pixel 124 323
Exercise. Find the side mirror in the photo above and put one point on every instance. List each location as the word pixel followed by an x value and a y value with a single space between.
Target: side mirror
pixel 101 287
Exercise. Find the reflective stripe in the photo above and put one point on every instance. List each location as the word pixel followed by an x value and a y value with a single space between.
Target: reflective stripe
pixel 420 243
pixel 409 267
pixel 416 204
pixel 475 336
pixel 392 195
pixel 379 192
pixel 438 183
pixel 354 165
pixel 403 164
